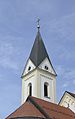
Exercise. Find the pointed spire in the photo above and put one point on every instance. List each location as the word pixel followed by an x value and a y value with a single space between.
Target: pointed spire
pixel 38 52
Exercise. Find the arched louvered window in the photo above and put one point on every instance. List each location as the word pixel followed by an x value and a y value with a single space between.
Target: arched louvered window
pixel 29 89
pixel 46 91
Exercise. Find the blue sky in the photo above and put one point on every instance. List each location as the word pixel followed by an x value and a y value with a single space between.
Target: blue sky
pixel 17 34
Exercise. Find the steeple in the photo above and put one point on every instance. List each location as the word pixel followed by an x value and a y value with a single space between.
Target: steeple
pixel 39 76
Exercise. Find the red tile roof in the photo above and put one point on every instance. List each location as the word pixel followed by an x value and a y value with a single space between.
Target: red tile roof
pixel 55 111
pixel 35 107
pixel 26 110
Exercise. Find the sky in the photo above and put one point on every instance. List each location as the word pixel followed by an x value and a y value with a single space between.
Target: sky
pixel 18 28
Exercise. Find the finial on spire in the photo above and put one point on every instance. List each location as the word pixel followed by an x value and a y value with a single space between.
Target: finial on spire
pixel 38 25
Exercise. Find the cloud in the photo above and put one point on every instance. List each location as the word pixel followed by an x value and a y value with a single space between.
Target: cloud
pixel 60 70
pixel 7 51
pixel 67 55
pixel 67 73
pixel 74 81
pixel 65 85
pixel 64 27
pixel 65 79
pixel 8 63
pixel 67 76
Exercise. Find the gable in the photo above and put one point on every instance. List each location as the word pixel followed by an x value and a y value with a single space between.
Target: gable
pixel 29 67
pixel 27 110
pixel 46 65
pixel 68 101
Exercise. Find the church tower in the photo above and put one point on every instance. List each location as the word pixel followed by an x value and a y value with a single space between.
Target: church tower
pixel 39 76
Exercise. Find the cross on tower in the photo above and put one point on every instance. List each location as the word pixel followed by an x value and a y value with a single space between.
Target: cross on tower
pixel 38 25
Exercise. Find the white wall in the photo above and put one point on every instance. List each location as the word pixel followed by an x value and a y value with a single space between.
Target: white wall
pixel 30 78
pixel 37 78
pixel 68 101
pixel 43 77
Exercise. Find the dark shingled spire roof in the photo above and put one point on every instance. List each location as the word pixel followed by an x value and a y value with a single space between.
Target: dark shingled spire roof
pixel 38 52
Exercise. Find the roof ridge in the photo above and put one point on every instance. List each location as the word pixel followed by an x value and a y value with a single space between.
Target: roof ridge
pixel 38 107
pixel 58 107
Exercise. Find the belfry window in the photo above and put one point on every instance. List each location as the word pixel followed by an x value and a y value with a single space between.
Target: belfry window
pixel 29 68
pixel 46 67
pixel 46 93
pixel 29 89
